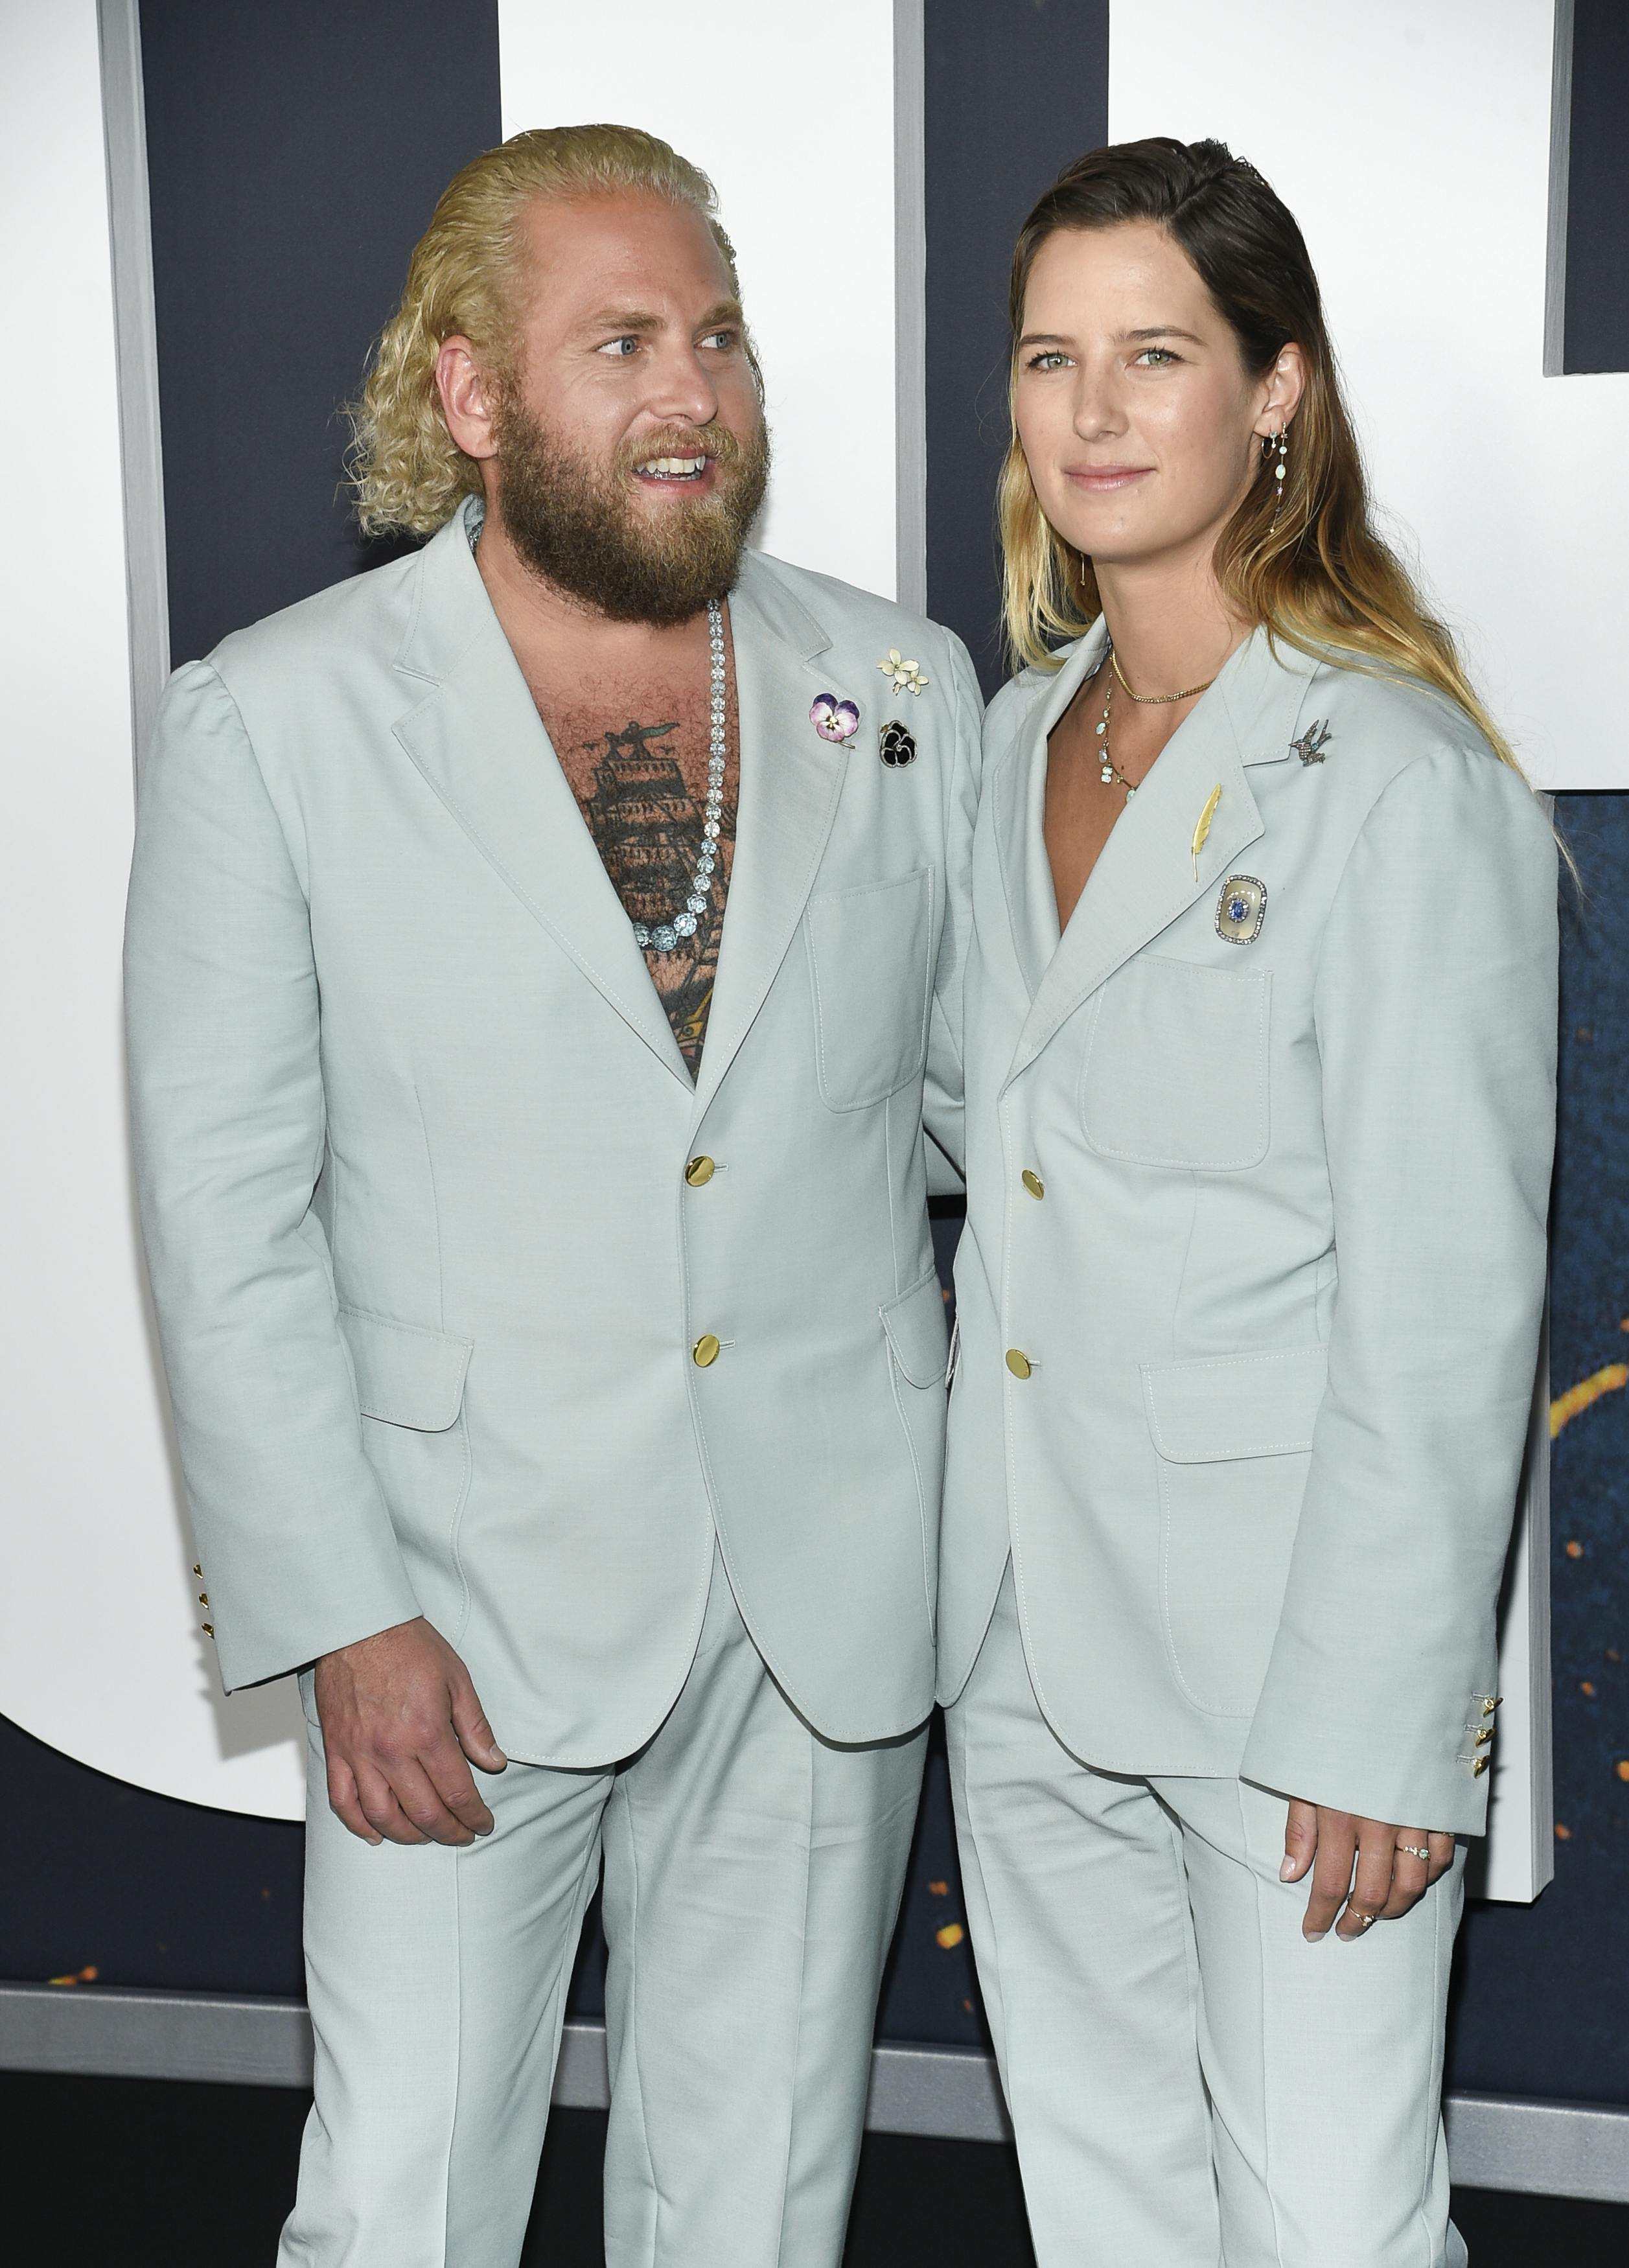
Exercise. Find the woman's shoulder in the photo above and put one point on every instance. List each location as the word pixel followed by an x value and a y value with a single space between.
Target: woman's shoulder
pixel 1372 727
pixel 1408 758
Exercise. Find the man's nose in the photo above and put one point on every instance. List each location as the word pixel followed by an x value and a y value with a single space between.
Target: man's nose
pixel 682 389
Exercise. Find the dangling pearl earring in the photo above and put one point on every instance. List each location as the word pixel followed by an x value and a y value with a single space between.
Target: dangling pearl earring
pixel 1279 470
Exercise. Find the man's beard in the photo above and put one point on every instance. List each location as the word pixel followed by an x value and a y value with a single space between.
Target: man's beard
pixel 576 525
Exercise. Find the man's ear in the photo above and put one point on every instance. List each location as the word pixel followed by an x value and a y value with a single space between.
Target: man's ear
pixel 468 397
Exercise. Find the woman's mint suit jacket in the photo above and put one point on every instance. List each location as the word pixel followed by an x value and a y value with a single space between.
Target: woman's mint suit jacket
pixel 1279 1300
pixel 412 1134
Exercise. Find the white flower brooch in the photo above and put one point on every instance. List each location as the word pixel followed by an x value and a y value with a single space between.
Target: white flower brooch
pixel 905 677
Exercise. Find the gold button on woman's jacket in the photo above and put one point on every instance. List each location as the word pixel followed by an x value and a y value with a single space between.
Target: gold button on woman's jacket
pixel 699 1172
pixel 1017 1362
pixel 705 1351
pixel 1032 1183
pixel 1479 1767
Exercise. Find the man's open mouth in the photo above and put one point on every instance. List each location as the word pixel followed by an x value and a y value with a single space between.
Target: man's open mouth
pixel 672 468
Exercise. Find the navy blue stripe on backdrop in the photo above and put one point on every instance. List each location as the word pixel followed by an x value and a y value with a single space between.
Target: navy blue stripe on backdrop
pixel 1012 94
pixel 1597 198
pixel 295 150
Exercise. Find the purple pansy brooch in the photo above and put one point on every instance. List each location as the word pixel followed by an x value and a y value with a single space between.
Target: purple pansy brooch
pixel 833 719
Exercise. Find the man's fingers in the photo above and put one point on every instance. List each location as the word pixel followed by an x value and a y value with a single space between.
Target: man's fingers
pixel 474 1734
pixel 421 1800
pixel 1410 1873
pixel 345 1804
pixel 450 1777
pixel 1331 1871
pixel 1300 1840
pixel 380 1806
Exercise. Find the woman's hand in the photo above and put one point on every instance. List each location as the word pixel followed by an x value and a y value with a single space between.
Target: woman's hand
pixel 1372 1870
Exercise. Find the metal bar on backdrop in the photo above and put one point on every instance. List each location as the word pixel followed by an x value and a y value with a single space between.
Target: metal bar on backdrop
pixel 137 350
pixel 911 310
pixel 1495 2141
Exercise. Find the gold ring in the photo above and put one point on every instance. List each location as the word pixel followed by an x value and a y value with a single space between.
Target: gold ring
pixel 1367 1921
pixel 1414 1850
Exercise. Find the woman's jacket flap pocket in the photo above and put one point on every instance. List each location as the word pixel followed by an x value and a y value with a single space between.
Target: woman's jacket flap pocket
pixel 917 1332
pixel 405 1375
pixel 1242 1405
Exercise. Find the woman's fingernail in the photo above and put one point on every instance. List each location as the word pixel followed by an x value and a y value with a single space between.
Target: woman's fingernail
pixel 1286 1872
pixel 1315 1936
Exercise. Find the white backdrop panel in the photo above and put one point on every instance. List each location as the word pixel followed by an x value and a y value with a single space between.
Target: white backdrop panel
pixel 101 1653
pixel 1413 145
pixel 790 111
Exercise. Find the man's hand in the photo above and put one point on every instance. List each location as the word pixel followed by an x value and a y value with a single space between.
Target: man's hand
pixel 1362 1869
pixel 399 1718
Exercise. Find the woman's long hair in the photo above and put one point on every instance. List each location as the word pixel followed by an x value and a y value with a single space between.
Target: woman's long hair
pixel 1307 563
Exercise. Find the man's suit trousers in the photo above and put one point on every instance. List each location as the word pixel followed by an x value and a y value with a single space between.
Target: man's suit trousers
pixel 1191 2082
pixel 752 1873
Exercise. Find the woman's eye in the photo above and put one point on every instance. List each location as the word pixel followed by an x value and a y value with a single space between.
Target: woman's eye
pixel 1155 358
pixel 1049 358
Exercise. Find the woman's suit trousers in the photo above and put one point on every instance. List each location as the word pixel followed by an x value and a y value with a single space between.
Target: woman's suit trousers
pixel 1189 2080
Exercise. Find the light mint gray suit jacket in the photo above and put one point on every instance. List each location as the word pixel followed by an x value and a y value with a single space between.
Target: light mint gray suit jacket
pixel 1281 1296
pixel 411 1134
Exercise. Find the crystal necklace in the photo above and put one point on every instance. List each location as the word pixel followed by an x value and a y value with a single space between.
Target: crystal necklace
pixel 1109 771
pixel 663 937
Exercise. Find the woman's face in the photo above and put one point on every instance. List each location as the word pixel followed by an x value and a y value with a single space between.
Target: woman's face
pixel 1141 425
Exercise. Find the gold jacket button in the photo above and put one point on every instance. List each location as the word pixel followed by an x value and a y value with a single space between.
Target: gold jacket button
pixel 1484 1734
pixel 1032 1183
pixel 209 1629
pixel 699 1172
pixel 203 1598
pixel 1481 1766
pixel 196 1569
pixel 1017 1362
pixel 705 1350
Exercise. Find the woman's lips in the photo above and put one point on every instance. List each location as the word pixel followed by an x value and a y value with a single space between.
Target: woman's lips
pixel 1099 480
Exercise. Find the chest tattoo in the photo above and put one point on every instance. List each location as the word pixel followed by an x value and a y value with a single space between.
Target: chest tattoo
pixel 642 790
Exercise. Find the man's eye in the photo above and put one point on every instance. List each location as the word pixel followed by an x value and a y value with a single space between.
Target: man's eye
pixel 621 348
pixel 723 340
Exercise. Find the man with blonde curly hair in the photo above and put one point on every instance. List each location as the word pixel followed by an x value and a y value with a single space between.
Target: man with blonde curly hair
pixel 544 974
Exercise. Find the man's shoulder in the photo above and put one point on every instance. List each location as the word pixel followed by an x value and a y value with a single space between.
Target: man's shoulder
pixel 355 621
pixel 841 611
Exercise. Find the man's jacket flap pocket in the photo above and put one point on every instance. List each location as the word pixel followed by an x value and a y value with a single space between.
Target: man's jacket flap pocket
pixel 917 1332
pixel 1242 1405
pixel 405 1375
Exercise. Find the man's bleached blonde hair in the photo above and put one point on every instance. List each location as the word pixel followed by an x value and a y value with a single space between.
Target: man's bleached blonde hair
pixel 466 276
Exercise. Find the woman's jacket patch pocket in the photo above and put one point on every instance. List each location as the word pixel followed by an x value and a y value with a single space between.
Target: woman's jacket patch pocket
pixel 1233 1442
pixel 1175 1070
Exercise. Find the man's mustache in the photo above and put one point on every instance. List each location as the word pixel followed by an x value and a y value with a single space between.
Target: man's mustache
pixel 717 442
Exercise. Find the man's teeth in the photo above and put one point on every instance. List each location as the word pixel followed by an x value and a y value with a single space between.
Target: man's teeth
pixel 674 468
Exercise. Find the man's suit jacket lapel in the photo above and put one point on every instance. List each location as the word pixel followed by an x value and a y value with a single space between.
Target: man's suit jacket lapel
pixel 790 781
pixel 478 740
pixel 1147 875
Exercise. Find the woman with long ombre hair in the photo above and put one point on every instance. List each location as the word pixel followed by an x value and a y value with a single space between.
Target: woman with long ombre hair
pixel 1260 1047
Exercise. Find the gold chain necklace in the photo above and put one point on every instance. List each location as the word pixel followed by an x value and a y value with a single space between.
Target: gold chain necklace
pixel 1156 700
